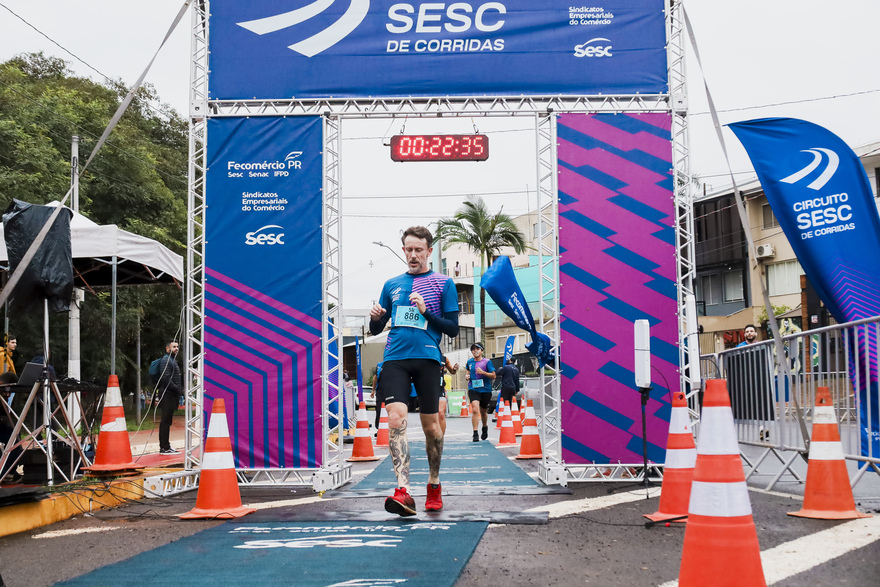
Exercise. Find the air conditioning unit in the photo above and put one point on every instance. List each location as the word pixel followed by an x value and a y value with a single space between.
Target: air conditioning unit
pixel 764 251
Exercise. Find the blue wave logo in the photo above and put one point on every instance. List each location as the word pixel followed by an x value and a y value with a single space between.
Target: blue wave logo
pixel 824 177
pixel 321 41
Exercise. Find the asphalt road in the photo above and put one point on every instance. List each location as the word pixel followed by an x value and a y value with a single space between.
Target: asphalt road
pixel 592 538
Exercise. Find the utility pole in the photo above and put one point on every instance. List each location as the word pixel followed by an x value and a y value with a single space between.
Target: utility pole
pixel 73 337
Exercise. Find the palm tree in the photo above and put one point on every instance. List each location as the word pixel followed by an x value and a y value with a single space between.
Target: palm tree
pixel 484 233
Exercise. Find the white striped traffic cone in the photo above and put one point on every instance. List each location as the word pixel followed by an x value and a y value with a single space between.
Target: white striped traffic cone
pixel 828 494
pixel 113 453
pixel 721 542
pixel 530 444
pixel 218 495
pixel 681 456
pixel 363 442
pixel 515 418
pixel 508 438
pixel 382 435
pixel 465 410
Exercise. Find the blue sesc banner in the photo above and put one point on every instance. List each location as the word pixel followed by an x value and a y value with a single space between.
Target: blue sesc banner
pixel 263 286
pixel 820 193
pixel 376 48
pixel 500 283
pixel 508 348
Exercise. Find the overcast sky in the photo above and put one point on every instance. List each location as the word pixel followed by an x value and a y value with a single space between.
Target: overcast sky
pixel 808 59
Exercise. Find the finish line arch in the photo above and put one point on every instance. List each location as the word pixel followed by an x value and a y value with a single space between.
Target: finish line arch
pixel 641 226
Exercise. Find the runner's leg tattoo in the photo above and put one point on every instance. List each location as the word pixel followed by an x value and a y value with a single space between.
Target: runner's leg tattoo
pixel 399 449
pixel 435 452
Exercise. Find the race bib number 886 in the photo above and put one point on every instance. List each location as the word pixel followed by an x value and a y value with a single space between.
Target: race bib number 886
pixel 410 317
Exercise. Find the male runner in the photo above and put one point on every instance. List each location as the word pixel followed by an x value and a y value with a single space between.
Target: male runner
pixel 480 373
pixel 422 305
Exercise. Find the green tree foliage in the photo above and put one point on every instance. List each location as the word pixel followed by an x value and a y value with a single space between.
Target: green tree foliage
pixel 137 181
pixel 484 233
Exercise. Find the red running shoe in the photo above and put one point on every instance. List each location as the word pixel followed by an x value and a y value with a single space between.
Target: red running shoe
pixel 401 503
pixel 434 503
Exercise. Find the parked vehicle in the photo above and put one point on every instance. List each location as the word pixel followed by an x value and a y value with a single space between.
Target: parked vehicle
pixel 369 402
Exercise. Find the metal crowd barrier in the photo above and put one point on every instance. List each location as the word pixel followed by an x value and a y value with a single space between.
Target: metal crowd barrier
pixel 773 411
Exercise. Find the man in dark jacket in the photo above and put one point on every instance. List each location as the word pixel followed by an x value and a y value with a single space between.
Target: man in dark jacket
pixel 509 374
pixel 168 391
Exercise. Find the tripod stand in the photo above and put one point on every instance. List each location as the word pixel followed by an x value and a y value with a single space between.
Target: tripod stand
pixel 44 436
pixel 646 482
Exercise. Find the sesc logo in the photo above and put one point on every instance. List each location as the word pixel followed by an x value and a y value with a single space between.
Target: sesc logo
pixel 831 164
pixel 321 41
pixel 592 49
pixel 258 237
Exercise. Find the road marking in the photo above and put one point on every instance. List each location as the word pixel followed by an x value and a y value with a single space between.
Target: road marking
pixel 75 531
pixel 589 504
pixel 802 554
pixel 288 502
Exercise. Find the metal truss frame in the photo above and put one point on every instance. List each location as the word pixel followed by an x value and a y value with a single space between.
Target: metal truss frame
pixel 334 472
pixel 684 205
pixel 502 106
pixel 195 238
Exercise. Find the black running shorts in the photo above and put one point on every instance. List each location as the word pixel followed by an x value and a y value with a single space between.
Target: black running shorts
pixel 398 376
pixel 484 397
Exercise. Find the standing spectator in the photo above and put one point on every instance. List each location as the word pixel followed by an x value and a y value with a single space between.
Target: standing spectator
pixel 509 374
pixel 169 389
pixel 7 426
pixel 6 354
pixel 480 373
pixel 751 335
pixel 457 269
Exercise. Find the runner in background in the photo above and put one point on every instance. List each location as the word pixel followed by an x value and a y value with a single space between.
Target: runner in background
pixel 445 384
pixel 480 373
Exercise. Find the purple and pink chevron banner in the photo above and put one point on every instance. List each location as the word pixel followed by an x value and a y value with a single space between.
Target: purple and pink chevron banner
pixel 263 287
pixel 822 197
pixel 617 265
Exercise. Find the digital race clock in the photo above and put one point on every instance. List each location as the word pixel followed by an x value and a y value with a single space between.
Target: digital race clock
pixel 439 148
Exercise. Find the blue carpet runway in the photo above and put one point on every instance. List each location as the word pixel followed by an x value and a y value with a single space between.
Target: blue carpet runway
pixel 410 552
pixel 465 464
pixel 331 546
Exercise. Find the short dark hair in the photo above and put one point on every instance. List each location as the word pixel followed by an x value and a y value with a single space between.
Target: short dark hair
pixel 752 326
pixel 8 377
pixel 169 341
pixel 418 232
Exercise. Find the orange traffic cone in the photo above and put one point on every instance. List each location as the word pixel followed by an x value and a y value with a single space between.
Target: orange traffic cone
pixel 499 413
pixel 465 410
pixel 382 435
pixel 721 542
pixel 530 445
pixel 681 455
pixel 113 453
pixel 514 416
pixel 218 495
pixel 828 494
pixel 508 438
pixel 363 445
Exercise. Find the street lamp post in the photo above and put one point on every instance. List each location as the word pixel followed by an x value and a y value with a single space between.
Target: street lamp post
pixel 381 244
